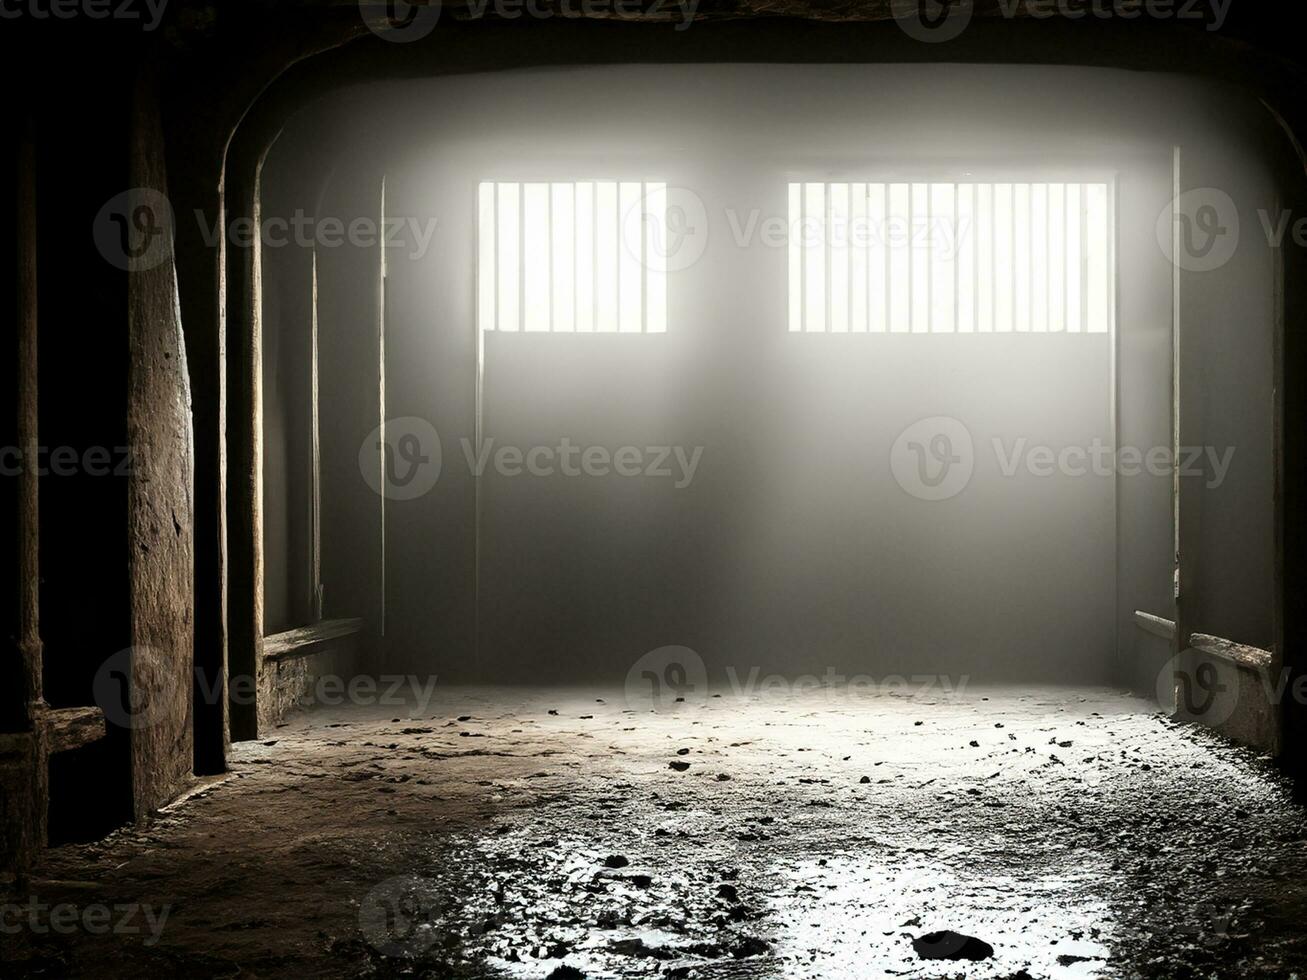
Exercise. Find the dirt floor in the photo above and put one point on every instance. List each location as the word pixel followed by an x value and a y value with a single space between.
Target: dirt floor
pixel 529 833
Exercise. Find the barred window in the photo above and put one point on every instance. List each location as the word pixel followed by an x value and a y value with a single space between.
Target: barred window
pixel 950 258
pixel 571 257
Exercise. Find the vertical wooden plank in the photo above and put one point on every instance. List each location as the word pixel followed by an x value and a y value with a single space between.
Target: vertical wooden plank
pixel 315 450
pixel 29 620
pixel 160 559
pixel 25 815
pixel 244 431
pixel 200 269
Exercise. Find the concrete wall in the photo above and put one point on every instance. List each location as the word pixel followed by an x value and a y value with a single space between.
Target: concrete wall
pixel 793 549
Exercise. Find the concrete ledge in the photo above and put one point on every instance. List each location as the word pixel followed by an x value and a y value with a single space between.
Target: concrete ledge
pixel 1229 687
pixel 1239 654
pixel 295 661
pixel 308 640
pixel 1156 625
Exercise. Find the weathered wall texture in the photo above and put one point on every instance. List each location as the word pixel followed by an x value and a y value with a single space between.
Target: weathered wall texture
pixel 159 504
pixel 294 682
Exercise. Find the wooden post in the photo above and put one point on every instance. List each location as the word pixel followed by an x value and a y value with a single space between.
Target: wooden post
pixel 27 814
pixel 244 439
pixel 200 276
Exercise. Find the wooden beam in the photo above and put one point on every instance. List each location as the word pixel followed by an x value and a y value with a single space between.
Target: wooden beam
pixel 1156 625
pixel 72 728
pixel 25 793
pixel 1239 654
pixel 307 640
pixel 28 557
pixel 244 438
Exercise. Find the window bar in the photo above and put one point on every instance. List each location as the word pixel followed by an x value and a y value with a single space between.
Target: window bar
pixel 857 258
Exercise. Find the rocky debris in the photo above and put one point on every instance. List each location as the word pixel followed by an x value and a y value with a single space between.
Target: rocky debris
pixel 616 861
pixel 838 885
pixel 678 766
pixel 949 945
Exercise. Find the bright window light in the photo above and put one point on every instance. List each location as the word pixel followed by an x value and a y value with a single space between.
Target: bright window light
pixel 950 258
pixel 567 257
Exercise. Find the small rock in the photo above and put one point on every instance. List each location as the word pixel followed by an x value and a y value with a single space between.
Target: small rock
pixel 616 861
pixel 678 766
pixel 950 945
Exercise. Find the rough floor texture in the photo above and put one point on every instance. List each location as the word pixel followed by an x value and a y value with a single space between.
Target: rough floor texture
pixel 1075 832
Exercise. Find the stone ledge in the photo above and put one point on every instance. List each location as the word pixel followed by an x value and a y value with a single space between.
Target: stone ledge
pixel 1239 654
pixel 1156 625
pixel 308 640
